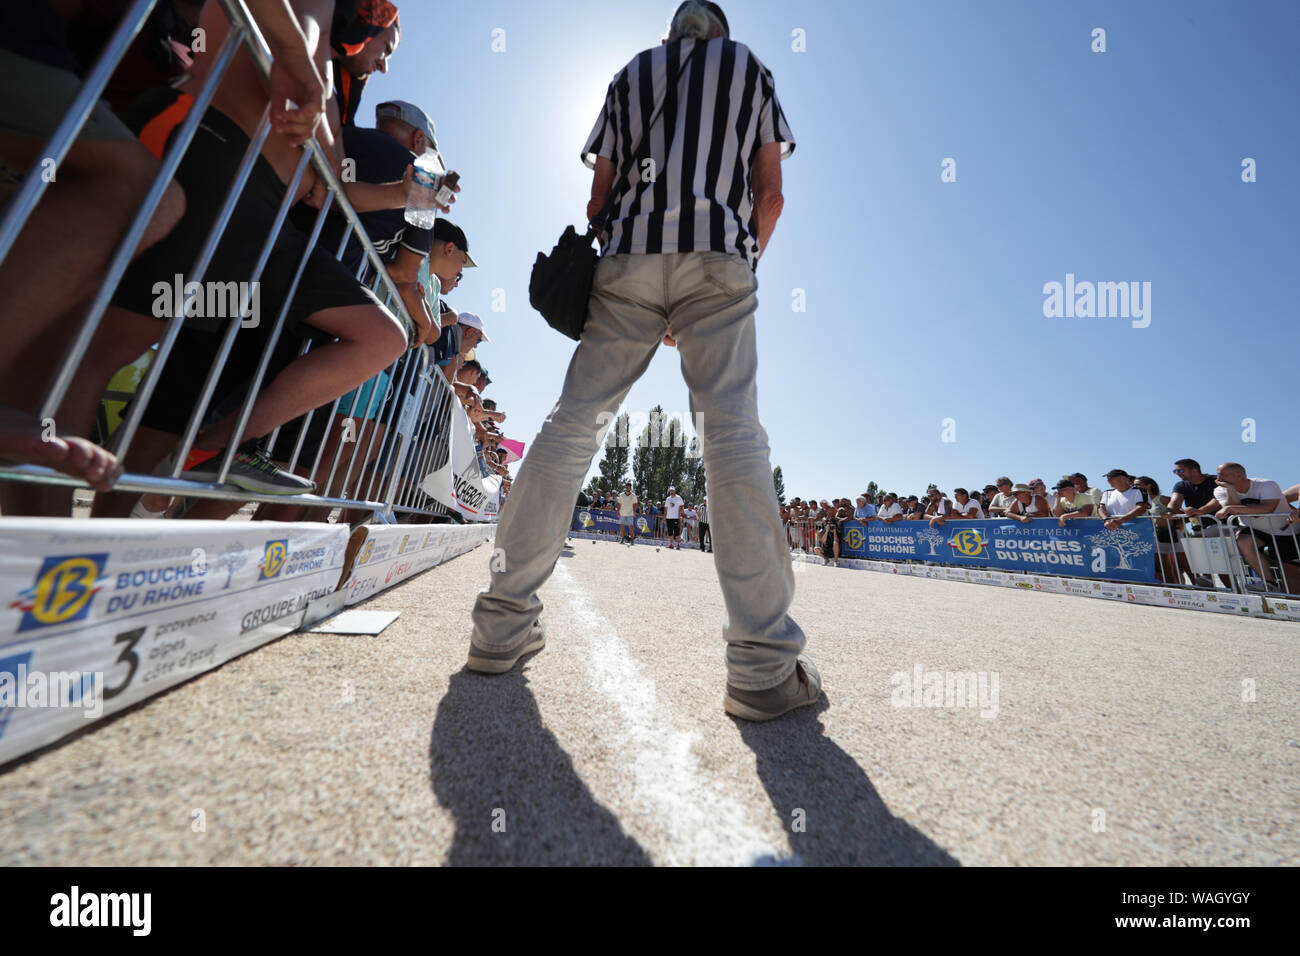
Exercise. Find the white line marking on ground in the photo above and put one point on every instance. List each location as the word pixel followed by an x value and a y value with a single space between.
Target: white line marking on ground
pixel 707 827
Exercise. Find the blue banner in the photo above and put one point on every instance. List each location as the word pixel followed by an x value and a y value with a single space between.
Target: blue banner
pixel 1084 548
pixel 589 519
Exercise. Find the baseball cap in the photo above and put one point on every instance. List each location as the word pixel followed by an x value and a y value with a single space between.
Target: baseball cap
pixel 1118 473
pixel 1063 483
pixel 444 230
pixel 412 114
pixel 473 321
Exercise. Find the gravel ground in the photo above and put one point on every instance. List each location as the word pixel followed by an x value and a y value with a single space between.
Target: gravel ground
pixel 1119 734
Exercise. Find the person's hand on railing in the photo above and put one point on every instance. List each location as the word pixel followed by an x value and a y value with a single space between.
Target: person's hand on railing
pixel 297 92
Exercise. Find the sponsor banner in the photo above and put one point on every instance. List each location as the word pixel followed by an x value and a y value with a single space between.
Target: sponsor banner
pixel 102 614
pixel 1143 595
pixel 459 483
pixel 1288 609
pixel 1083 548
pixel 392 553
pixel 492 507
pixel 1094 589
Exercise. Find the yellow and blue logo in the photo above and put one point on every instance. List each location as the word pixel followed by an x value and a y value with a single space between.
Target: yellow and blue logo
pixel 854 538
pixel 63 590
pixel 273 558
pixel 968 541
pixel 366 551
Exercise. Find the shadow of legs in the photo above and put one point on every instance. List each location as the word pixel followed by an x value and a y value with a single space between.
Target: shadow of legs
pixel 513 791
pixel 845 823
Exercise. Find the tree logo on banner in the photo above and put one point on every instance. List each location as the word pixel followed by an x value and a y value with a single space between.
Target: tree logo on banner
pixel 1124 542
pixel 932 539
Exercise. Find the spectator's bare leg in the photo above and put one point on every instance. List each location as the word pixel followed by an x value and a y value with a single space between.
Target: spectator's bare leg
pixel 369 340
pixel 148 448
pixel 98 187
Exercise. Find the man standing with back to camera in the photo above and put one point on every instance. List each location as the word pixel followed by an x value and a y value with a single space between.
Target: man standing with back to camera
pixel 678 265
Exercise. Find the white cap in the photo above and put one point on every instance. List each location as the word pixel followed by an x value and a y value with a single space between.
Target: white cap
pixel 474 322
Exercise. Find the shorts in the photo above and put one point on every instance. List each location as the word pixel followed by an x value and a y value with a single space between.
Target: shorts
pixel 627 521
pixel 1283 544
pixel 674 527
pixel 148 287
pixel 46 93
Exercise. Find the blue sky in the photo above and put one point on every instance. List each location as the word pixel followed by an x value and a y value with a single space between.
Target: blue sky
pixel 924 299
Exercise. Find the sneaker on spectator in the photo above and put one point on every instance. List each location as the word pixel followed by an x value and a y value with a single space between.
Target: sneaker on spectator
pixel 253 471
pixel 800 689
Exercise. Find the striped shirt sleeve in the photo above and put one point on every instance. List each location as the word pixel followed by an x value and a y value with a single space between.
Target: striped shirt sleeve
pixel 603 138
pixel 772 125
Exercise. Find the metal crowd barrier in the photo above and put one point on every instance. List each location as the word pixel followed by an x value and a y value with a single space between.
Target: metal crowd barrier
pixel 1199 551
pixel 384 479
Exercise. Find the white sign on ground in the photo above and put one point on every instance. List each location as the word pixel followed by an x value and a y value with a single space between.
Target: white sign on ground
pixel 100 615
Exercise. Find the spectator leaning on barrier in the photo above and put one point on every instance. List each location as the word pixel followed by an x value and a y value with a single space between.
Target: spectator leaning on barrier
pixel 964 506
pixel 939 508
pixel 1081 482
pixel 1002 498
pixel 1193 495
pixel 364 35
pixel 355 335
pixel 1266 520
pixel 1071 502
pixel 1123 503
pixel 864 511
pixel 1027 504
pixel 46 279
pixel 890 511
pixel 1040 488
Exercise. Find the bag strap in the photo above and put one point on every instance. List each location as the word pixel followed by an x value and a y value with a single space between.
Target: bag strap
pixel 619 189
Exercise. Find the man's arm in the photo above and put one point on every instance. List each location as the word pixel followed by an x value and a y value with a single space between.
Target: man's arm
pixel 765 183
pixel 602 181
pixel 294 75
pixel 404 271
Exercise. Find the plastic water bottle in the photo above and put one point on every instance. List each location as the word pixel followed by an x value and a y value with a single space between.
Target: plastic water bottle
pixel 420 209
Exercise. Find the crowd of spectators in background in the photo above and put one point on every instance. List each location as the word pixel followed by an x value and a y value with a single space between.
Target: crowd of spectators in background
pixel 338 339
pixel 1198 505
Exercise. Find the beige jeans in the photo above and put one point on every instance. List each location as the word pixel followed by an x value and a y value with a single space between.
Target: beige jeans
pixel 708 299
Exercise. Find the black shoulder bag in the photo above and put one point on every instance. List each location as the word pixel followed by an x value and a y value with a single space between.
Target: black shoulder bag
pixel 560 286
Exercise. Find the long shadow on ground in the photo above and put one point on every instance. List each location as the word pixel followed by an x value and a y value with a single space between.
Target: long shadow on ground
pixel 844 821
pixel 513 791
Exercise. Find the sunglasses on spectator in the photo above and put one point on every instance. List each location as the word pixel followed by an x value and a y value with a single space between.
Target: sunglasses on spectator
pixel 1178 471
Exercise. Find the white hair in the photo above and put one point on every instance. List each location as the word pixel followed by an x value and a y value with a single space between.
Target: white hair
pixel 695 22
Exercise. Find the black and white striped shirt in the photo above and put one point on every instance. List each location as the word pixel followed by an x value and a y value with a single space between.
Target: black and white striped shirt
pixel 721 109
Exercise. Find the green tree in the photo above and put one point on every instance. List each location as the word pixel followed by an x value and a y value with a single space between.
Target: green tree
pixel 613 466
pixel 694 486
pixel 779 482
pixel 872 490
